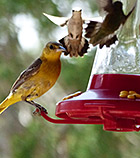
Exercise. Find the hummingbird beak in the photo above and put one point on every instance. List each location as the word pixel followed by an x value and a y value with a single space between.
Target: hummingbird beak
pixel 61 49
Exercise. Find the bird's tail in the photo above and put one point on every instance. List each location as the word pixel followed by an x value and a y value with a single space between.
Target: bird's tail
pixel 7 102
pixel 130 12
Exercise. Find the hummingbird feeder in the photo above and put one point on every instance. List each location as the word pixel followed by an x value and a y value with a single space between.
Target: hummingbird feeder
pixel 115 69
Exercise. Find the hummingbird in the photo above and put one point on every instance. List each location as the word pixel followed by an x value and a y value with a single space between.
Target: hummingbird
pixel 74 43
pixel 104 33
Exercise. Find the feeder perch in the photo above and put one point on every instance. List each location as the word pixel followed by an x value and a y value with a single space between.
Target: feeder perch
pixel 115 69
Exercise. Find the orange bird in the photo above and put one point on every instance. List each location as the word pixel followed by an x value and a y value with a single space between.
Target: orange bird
pixel 37 79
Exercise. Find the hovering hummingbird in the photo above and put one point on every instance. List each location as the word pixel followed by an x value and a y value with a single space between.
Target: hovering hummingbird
pixel 75 44
pixel 105 33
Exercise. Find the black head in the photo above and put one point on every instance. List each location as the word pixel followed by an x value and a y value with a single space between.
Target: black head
pixel 118 5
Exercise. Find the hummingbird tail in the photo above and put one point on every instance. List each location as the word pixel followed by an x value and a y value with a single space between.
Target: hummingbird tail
pixel 131 11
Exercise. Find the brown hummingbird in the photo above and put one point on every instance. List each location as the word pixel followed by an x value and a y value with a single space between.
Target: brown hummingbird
pixel 105 33
pixel 75 44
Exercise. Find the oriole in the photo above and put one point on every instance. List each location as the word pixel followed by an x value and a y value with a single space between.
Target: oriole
pixel 38 78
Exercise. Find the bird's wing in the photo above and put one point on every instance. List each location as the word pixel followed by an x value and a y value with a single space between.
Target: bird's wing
pixel 84 45
pixel 108 40
pixel 60 21
pixel 105 6
pixel 92 28
pixel 75 48
pixel 64 41
pixel 98 19
pixel 26 74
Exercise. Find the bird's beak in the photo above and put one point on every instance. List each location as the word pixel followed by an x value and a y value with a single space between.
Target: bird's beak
pixel 61 49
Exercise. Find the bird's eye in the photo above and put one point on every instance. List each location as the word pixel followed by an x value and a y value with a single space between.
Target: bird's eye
pixel 51 46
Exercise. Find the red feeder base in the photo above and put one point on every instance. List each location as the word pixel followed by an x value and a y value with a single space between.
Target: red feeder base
pixel 101 104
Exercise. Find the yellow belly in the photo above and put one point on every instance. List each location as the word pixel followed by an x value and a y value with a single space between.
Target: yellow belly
pixel 40 83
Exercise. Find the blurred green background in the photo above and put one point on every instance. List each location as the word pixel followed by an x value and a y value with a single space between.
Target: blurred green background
pixel 24 31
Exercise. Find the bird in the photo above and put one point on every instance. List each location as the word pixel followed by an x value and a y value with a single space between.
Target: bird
pixel 37 79
pixel 75 44
pixel 104 33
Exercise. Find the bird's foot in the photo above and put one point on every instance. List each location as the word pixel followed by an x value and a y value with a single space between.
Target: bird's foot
pixel 38 109
pixel 72 95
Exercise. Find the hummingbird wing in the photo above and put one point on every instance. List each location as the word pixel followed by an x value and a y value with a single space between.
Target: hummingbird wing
pixel 26 74
pixel 74 47
pixel 60 21
pixel 108 40
pixel 83 47
pixel 87 20
pixel 98 37
pixel 92 28
pixel 105 6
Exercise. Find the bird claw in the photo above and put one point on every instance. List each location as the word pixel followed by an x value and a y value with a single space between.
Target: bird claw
pixel 38 110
